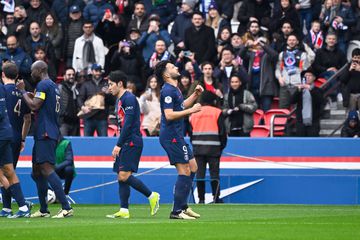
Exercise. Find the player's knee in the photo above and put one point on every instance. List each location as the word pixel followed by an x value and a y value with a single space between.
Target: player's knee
pixel 69 171
pixel 123 176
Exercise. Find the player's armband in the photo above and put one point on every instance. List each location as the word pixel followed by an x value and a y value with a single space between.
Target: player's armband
pixel 40 95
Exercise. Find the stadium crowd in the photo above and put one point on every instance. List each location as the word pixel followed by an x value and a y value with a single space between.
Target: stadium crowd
pixel 271 57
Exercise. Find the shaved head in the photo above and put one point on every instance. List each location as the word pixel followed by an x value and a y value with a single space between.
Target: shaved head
pixel 39 71
pixel 39 65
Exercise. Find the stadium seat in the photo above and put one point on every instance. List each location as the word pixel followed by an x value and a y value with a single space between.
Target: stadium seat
pixel 279 122
pixel 112 130
pixel 275 103
pixel 258 115
pixel 319 82
pixel 81 130
pixel 260 131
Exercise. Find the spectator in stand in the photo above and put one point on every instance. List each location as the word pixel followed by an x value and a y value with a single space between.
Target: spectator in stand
pixel 185 83
pixel 165 9
pixel 88 49
pixel 80 78
pixel 214 20
pixel 160 54
pixel 22 22
pixel 329 60
pixel 225 8
pixel 351 126
pixel 315 38
pixel 69 121
pixel 150 107
pixel 292 61
pixel 2 38
pixel 62 9
pixel 228 66
pixel 223 39
pixel 208 139
pixel 239 106
pixel 279 40
pixel 325 9
pixel 130 62
pixel 200 39
pixel 236 43
pixel 148 39
pixel 351 80
pixel 95 119
pixel 37 11
pixel 52 30
pixel 40 54
pixel 95 11
pixel 111 29
pixel 189 64
pixel 355 29
pixel 253 10
pixel 304 8
pixel 22 60
pixel 209 83
pixel 10 23
pixel 260 60
pixel 286 13
pixel 310 102
pixel 134 35
pixel 139 19
pixel 181 23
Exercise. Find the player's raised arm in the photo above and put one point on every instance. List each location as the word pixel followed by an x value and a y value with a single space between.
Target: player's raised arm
pixel 172 115
pixel 34 103
pixel 193 97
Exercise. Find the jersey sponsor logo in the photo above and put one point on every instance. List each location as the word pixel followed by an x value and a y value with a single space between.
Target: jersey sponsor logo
pixel 168 99
pixel 129 108
pixel 40 95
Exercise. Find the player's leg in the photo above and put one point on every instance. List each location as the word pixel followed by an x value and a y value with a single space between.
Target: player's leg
pixel 6 196
pixel 200 175
pixel 69 177
pixel 214 168
pixel 42 188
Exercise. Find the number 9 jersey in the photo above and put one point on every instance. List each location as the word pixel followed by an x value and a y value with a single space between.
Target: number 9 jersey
pixel 47 117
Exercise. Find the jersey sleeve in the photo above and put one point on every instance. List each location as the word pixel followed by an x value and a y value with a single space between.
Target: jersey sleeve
pixel 2 102
pixel 168 98
pixel 129 108
pixel 41 91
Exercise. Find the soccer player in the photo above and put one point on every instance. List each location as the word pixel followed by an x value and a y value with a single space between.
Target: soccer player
pixel 20 120
pixel 11 182
pixel 173 111
pixel 127 151
pixel 46 104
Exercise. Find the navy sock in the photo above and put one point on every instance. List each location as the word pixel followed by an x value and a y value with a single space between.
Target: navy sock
pixel 55 184
pixel 42 188
pixel 6 197
pixel 124 193
pixel 17 194
pixel 192 176
pixel 182 188
pixel 138 185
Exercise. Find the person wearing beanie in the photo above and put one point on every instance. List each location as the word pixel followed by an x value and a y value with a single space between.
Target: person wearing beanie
pixel 214 20
pixel 351 126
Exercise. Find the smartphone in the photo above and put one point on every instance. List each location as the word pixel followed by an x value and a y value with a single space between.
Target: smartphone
pixel 187 53
pixel 107 13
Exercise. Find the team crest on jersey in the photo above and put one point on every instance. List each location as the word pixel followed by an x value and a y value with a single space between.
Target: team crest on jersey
pixel 168 99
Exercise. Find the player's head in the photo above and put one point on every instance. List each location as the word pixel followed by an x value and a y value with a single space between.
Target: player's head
pixel 117 82
pixel 39 70
pixel 166 71
pixel 9 71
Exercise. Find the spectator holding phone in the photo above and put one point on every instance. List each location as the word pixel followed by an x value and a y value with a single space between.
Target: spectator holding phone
pixel 95 11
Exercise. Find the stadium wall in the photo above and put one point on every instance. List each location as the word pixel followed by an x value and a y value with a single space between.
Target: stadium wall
pixel 259 171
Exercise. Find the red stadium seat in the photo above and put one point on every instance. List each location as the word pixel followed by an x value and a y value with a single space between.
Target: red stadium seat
pixel 279 122
pixel 258 115
pixel 112 130
pixel 275 103
pixel 260 131
pixel 319 82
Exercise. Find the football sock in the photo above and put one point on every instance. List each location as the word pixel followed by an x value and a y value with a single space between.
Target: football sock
pixel 192 176
pixel 69 176
pixel 55 184
pixel 138 185
pixel 6 197
pixel 124 193
pixel 182 187
pixel 42 188
pixel 18 195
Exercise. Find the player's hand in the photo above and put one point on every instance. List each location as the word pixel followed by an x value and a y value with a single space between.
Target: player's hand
pixel 198 90
pixel 116 151
pixel 196 108
pixel 20 85
pixel 22 147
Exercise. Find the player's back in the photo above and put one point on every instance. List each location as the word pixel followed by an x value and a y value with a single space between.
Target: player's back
pixel 171 98
pixel 5 127
pixel 125 106
pixel 16 109
pixel 47 117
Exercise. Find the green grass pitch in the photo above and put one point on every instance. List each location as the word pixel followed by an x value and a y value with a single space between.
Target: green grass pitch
pixel 222 221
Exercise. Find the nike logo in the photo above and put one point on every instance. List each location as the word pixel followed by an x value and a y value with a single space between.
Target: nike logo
pixel 225 192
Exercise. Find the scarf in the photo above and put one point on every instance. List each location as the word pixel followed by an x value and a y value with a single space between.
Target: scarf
pixel 166 56
pixel 88 53
pixel 291 61
pixel 317 38
pixel 236 97
pixel 256 63
pixel 306 107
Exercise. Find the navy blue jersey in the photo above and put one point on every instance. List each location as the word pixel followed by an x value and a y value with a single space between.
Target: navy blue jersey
pixel 171 98
pixel 16 110
pixel 47 117
pixel 5 126
pixel 127 112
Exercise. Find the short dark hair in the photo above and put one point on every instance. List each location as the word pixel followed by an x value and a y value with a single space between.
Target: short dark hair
pixel 10 70
pixel 159 71
pixel 118 76
pixel 355 52
pixel 69 68
pixel 206 63
pixel 197 13
pixel 88 22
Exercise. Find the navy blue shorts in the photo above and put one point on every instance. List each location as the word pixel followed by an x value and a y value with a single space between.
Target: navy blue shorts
pixel 128 159
pixel 178 152
pixel 44 151
pixel 6 156
pixel 15 147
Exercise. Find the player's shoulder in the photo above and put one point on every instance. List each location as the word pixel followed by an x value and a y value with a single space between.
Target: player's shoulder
pixel 167 89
